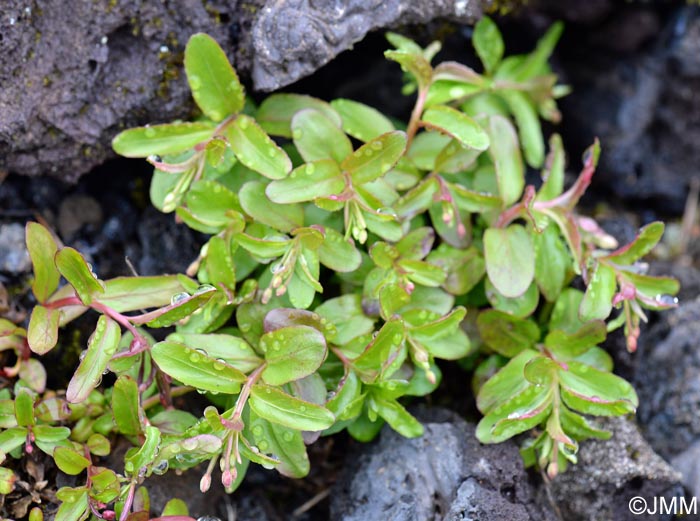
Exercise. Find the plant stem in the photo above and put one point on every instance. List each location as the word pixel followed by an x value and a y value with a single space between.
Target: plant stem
pixel 415 116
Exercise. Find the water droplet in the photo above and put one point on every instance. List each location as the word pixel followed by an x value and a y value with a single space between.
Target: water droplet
pixel 281 335
pixel 368 152
pixel 83 354
pixel 244 328
pixel 297 134
pixel 150 132
pixel 179 297
pixel 204 288
pixel 391 386
pixel 201 351
pixel 376 145
pixel 271 152
pixel 257 431
pixel 243 123
pixel 268 390
pixel 219 365
pixel 666 300
pixel 263 445
pixel 276 345
pixel 129 466
pixel 194 357
pixel 208 518
pixel 288 436
pixel 397 339
pixel 310 168
pixel 276 267
pixel 302 408
pixel 161 467
pixel 195 82
pixel 233 86
pixel 254 449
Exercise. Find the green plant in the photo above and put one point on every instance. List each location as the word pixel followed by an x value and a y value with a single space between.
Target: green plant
pixel 343 258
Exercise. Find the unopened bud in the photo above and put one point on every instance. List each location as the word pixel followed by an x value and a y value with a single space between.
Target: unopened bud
pixel 205 483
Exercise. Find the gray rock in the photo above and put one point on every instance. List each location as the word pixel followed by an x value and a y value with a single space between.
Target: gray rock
pixel 73 77
pixel 444 475
pixel 668 380
pixel 688 464
pixel 14 257
pixel 610 473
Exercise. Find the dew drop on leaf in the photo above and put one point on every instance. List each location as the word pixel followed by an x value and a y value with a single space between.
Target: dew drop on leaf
pixel 287 436
pixel 203 288
pixel 161 467
pixel 150 132
pixel 263 445
pixel 179 297
pixel 195 82
pixel 666 300
pixel 257 431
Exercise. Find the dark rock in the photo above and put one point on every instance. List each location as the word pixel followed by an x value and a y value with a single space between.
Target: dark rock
pixel 445 474
pixel 166 247
pixel 609 474
pixel 14 257
pixel 668 380
pixel 77 211
pixel 640 99
pixel 74 77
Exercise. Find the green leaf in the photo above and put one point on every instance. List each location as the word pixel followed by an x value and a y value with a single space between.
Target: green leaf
pixel 575 344
pixel 220 267
pixel 292 353
pixel 552 262
pixel 464 268
pixel 488 43
pixel 344 402
pixel 457 125
pixel 214 83
pixel 536 62
pixel 196 368
pixel 99 445
pixel 7 481
pixel 102 345
pixel 182 305
pixel 278 407
pixel 595 392
pixel 42 249
pixel 285 444
pixel 175 507
pixel 42 333
pixel 125 406
pixel 338 254
pixel 375 158
pixel 70 461
pixel 597 301
pixel 510 259
pixel 12 438
pixel 579 428
pixel 320 178
pixel 346 314
pixel 361 121
pixel 553 175
pixel 133 293
pixel 415 64
pixel 77 272
pixel 380 356
pixel 505 333
pixel 396 416
pixel 161 140
pixel 276 112
pixel 24 407
pixel 256 204
pixel 7 414
pixel 528 122
pixel 317 137
pixel 522 412
pixel 208 202
pixel 263 248
pixel 508 381
pixel 74 504
pixel 522 306
pixel 254 148
pixel 235 351
pixel 134 462
pixel 643 243
pixel 505 154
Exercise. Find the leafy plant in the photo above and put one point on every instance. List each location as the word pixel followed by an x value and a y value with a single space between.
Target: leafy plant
pixel 345 251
